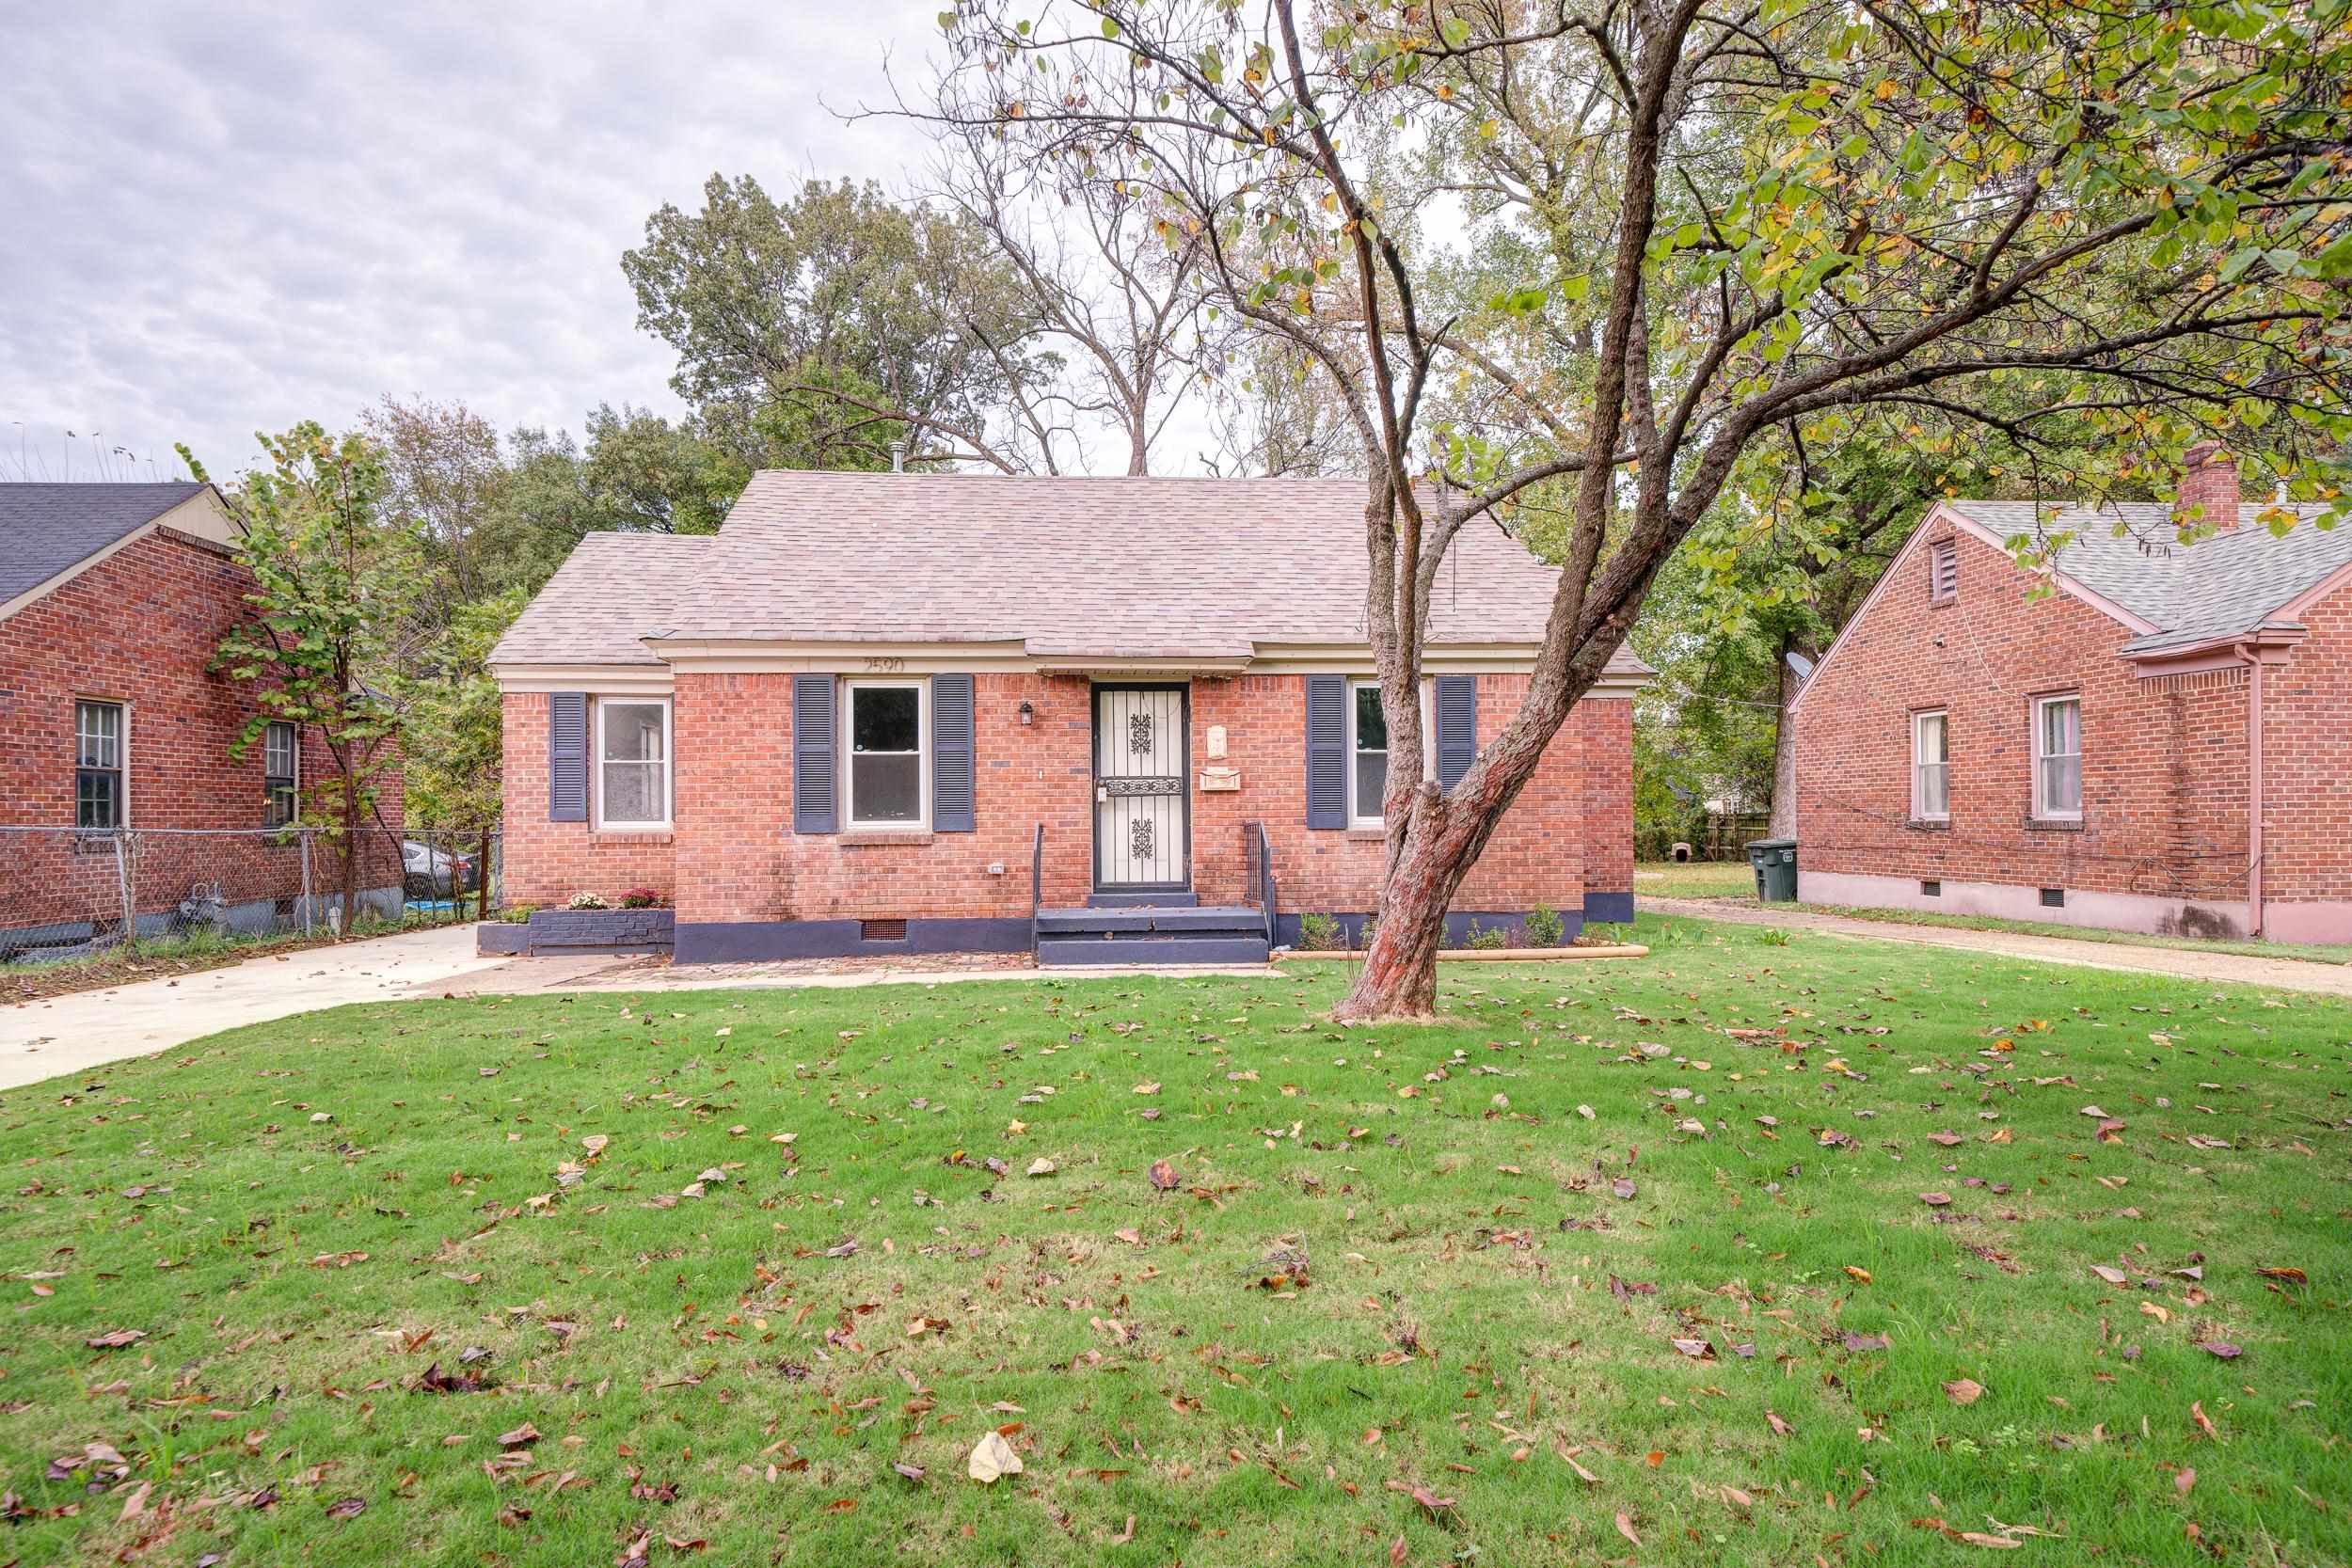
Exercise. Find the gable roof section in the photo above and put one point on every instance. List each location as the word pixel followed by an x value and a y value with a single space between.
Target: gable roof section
pixel 610 590
pixel 1062 567
pixel 48 530
pixel 2232 584
pixel 2170 596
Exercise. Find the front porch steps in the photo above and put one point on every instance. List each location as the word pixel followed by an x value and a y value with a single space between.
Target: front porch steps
pixel 1164 933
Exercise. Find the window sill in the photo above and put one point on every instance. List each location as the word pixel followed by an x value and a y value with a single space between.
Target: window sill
pixel 1929 825
pixel 630 835
pixel 1367 835
pixel 875 838
pixel 2054 824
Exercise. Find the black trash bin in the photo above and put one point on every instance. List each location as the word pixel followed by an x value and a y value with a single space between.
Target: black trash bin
pixel 1774 860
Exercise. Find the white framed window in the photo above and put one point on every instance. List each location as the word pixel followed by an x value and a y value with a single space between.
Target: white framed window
pixel 1931 767
pixel 2058 758
pixel 885 753
pixel 102 736
pixel 1368 750
pixel 633 786
pixel 281 772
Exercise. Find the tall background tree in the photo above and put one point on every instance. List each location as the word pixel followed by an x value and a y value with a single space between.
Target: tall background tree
pixel 331 596
pixel 1720 221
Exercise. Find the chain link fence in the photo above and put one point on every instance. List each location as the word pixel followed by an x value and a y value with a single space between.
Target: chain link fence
pixel 69 894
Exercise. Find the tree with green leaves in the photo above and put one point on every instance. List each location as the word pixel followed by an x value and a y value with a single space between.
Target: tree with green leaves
pixel 452 732
pixel 333 588
pixel 1733 217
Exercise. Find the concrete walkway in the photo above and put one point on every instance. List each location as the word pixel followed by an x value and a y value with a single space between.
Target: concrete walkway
pixel 2180 962
pixel 87 1029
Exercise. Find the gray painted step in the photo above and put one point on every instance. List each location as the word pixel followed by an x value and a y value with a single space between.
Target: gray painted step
pixel 1116 900
pixel 1216 918
pixel 1063 951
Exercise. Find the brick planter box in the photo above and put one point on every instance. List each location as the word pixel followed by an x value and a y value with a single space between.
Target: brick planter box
pixel 581 932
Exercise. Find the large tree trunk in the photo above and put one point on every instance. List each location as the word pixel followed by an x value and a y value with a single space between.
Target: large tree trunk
pixel 1784 749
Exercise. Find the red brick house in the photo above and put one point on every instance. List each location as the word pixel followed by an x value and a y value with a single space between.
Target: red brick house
pixel 890 713
pixel 2156 743
pixel 111 722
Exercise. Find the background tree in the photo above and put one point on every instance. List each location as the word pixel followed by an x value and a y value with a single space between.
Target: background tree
pixel 452 731
pixel 332 586
pixel 1733 217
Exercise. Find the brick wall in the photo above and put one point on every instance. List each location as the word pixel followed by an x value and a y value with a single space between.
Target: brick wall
pixel 733 857
pixel 139 629
pixel 2307 719
pixel 2164 761
pixel 545 862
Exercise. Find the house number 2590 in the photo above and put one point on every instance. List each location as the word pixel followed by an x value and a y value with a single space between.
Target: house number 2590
pixel 892 664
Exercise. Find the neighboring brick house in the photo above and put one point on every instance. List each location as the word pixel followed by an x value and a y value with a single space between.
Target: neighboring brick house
pixel 883 713
pixel 112 600
pixel 2155 743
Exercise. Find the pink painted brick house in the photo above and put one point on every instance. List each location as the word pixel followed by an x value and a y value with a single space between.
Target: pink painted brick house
pixel 891 713
pixel 2156 744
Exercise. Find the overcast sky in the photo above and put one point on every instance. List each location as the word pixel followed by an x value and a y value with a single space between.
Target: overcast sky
pixel 220 217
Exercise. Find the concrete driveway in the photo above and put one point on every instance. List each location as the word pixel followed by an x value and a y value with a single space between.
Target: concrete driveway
pixel 87 1029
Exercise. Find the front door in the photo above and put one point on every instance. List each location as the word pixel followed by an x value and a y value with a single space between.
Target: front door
pixel 1142 809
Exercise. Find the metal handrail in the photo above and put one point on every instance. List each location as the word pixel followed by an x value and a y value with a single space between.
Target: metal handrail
pixel 1259 847
pixel 1037 881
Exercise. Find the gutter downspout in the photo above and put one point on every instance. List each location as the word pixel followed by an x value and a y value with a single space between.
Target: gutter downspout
pixel 2254 792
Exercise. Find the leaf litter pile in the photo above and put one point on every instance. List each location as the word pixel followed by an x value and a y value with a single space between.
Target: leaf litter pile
pixel 1826 1253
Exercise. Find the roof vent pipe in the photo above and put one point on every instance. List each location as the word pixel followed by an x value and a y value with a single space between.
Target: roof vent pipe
pixel 898 457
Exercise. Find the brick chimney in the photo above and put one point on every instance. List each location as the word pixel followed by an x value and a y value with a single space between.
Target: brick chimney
pixel 2210 484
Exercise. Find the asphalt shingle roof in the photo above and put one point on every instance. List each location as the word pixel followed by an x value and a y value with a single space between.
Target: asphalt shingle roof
pixel 2223 586
pixel 1069 567
pixel 45 528
pixel 610 590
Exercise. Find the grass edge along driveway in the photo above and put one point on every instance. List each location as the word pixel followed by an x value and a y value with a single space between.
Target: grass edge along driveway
pixel 1875 1255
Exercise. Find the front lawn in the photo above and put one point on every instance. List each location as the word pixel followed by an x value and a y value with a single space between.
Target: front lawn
pixel 1623 1262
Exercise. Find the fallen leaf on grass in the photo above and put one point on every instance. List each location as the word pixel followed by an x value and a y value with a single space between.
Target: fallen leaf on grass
pixel 2112 1276
pixel 346 1508
pixel 1041 1166
pixel 1164 1176
pixel 2151 1309
pixel 522 1436
pixel 2187 1479
pixel 2289 1276
pixel 116 1339
pixel 1625 1528
pixel 1622 1186
pixel 1860 1277
pixel 1964 1390
pixel 1865 1342
pixel 992 1457
pixel 1936 1200
pixel 2222 1348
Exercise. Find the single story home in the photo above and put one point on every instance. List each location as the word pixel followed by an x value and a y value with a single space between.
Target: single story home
pixel 113 598
pixel 2154 741
pixel 1101 718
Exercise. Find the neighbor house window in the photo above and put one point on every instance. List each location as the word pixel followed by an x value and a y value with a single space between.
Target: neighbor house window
pixel 1943 572
pixel 887 786
pixel 1930 767
pixel 2058 758
pixel 281 772
pixel 1368 751
pixel 98 750
pixel 633 763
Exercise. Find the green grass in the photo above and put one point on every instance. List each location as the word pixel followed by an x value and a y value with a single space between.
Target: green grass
pixel 1694 879
pixel 2324 953
pixel 700 1368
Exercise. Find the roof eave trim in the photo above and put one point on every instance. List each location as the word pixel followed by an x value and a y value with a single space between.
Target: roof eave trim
pixel 2271 643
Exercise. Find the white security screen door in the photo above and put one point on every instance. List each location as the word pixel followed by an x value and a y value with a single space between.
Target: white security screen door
pixel 1142 799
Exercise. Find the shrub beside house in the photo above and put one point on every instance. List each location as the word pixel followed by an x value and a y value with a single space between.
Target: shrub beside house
pixel 2156 744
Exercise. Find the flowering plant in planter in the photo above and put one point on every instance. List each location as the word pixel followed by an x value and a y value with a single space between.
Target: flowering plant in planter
pixel 641 898
pixel 587 901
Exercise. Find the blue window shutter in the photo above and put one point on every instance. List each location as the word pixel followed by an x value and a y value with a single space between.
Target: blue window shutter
pixel 1457 727
pixel 951 753
pixel 567 756
pixel 812 768
pixel 1327 751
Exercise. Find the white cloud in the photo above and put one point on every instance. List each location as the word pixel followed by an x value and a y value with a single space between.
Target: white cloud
pixel 229 217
